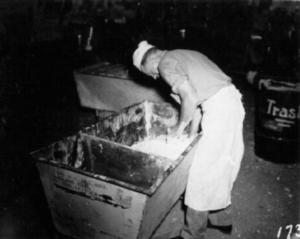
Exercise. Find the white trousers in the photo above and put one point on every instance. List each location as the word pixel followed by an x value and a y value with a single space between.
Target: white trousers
pixel 219 152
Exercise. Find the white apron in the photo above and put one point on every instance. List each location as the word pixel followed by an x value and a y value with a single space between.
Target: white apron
pixel 219 152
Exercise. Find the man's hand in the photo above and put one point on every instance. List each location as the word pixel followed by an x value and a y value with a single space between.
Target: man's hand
pixel 177 130
pixel 180 129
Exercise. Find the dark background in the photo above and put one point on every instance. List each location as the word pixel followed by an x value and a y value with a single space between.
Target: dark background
pixel 39 49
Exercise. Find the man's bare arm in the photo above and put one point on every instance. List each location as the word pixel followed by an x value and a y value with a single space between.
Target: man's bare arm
pixel 188 105
pixel 173 73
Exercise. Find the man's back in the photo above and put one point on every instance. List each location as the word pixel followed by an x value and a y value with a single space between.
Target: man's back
pixel 204 75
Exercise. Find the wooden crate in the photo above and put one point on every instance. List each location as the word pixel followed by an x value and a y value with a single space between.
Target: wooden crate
pixel 99 187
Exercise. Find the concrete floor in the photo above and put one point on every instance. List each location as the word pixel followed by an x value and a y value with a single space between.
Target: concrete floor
pixel 265 197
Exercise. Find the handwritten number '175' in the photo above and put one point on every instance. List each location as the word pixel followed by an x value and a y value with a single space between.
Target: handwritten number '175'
pixel 289 229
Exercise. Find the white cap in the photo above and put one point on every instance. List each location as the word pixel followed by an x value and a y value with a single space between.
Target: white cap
pixel 138 54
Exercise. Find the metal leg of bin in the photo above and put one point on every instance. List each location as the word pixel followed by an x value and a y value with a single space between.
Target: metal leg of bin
pixel 172 224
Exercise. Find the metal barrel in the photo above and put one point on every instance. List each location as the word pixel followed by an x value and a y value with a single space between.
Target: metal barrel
pixel 277 118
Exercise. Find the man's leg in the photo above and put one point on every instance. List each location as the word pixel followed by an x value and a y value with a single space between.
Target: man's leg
pixel 196 224
pixel 221 217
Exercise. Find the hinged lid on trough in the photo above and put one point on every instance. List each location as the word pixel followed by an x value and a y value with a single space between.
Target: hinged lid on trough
pixel 107 86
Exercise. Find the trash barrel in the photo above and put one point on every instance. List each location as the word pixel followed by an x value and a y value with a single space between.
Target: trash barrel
pixel 277 116
pixel 98 186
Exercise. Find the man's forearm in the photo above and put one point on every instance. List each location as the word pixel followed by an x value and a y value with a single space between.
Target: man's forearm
pixel 187 111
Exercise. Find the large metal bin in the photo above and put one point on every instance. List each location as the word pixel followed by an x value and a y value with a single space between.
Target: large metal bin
pixel 99 187
pixel 106 86
pixel 277 121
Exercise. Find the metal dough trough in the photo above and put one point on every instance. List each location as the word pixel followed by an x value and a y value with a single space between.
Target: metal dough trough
pixel 98 187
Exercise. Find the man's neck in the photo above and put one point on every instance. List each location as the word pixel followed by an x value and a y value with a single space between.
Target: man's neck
pixel 161 54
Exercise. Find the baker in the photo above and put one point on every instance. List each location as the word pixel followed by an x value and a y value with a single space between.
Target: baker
pixel 208 99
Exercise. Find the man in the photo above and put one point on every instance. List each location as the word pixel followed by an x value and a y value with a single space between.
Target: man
pixel 200 86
